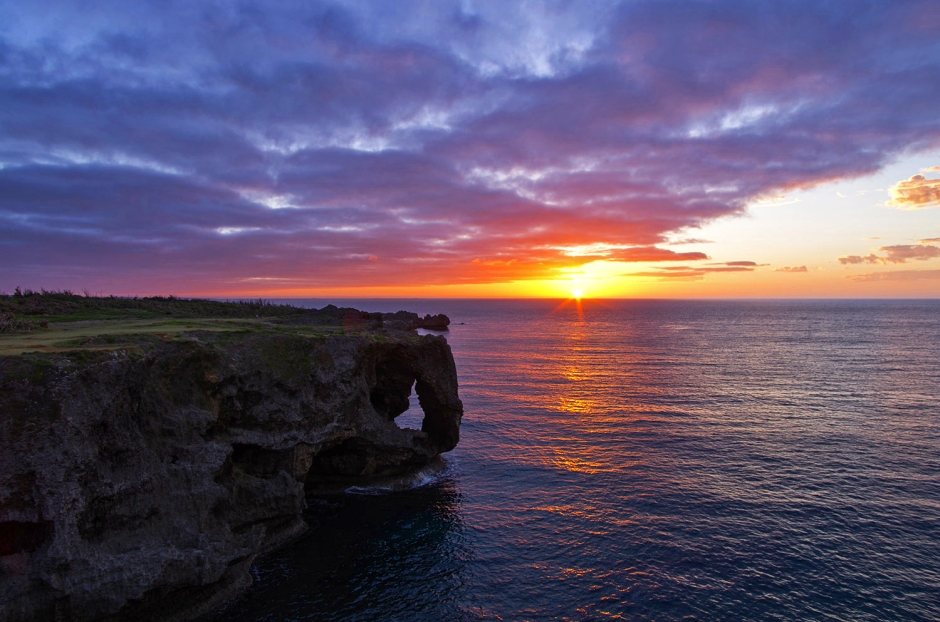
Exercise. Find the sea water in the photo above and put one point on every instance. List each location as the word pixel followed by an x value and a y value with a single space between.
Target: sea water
pixel 650 460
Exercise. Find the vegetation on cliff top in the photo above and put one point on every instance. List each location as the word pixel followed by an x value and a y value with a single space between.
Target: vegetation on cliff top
pixel 64 306
pixel 47 321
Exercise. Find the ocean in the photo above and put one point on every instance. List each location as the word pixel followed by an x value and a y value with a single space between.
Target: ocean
pixel 650 460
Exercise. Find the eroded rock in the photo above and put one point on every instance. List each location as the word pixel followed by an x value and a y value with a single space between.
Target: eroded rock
pixel 438 322
pixel 141 486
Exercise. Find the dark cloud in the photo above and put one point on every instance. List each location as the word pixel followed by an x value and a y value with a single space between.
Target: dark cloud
pixel 213 146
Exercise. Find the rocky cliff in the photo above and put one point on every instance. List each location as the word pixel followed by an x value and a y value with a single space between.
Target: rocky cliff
pixel 140 483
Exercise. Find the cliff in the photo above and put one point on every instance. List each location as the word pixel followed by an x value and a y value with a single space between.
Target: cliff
pixel 140 481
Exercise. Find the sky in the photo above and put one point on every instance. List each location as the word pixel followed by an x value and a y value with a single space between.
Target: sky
pixel 488 149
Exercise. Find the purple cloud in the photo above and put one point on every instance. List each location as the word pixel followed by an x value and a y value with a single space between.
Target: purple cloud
pixel 355 143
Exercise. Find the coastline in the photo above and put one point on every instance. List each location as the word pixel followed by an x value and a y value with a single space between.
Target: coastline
pixel 141 470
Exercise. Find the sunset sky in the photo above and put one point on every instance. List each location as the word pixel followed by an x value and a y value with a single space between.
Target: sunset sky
pixel 288 149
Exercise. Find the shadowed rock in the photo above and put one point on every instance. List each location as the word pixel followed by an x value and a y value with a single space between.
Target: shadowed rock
pixel 141 486
pixel 405 320
pixel 433 322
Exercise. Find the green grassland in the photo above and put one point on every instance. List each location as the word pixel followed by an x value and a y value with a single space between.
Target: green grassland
pixel 107 334
pixel 65 306
pixel 63 322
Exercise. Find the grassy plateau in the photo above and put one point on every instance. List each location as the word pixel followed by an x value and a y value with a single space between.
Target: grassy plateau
pixel 62 321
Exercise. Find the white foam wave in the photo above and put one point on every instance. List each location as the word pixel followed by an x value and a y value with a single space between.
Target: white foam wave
pixel 427 475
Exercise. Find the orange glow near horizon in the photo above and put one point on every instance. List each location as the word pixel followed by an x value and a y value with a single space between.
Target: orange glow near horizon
pixel 578 305
pixel 594 281
pixel 564 287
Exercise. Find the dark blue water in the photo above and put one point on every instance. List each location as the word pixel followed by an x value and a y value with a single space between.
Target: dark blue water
pixel 652 460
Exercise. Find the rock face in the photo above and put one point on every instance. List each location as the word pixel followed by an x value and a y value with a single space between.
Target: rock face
pixel 405 320
pixel 433 322
pixel 138 486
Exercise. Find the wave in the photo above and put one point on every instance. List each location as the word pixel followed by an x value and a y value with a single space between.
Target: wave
pixel 427 475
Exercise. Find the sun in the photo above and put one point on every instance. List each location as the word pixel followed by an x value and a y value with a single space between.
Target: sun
pixel 577 293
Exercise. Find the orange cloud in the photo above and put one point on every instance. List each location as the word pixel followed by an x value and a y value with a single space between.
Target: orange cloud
pixel 793 269
pixel 652 253
pixel 690 241
pixel 918 192
pixel 899 253
pixel 897 275
pixel 857 259
pixel 902 252
pixel 695 273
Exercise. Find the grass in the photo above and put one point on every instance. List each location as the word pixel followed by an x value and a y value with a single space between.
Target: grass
pixel 103 334
pixel 64 306
pixel 62 321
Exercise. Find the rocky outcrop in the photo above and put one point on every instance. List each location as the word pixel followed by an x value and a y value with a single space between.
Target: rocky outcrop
pixel 141 484
pixel 433 322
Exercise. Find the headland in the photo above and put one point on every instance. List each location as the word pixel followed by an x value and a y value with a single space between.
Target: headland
pixel 151 448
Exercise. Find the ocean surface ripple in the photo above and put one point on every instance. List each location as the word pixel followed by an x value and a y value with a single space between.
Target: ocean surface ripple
pixel 651 460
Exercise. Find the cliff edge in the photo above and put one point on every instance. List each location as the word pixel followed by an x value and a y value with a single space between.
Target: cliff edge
pixel 139 482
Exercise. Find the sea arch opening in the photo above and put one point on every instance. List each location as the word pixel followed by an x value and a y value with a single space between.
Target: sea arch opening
pixel 396 394
pixel 413 417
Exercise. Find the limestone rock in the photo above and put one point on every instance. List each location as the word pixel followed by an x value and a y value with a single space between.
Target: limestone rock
pixel 433 322
pixel 138 486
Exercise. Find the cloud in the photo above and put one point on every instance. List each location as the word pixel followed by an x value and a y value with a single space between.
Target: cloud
pixel 858 259
pixel 896 275
pixel 899 253
pixel 652 253
pixel 918 192
pixel 689 241
pixel 694 273
pixel 793 269
pixel 156 147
